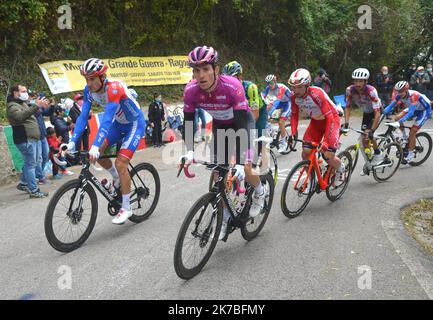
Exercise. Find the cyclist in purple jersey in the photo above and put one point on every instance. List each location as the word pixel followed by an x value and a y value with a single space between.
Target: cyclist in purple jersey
pixel 223 97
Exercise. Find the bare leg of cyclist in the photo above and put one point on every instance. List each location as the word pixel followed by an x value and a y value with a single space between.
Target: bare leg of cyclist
pixel 108 165
pixel 412 143
pixel 121 164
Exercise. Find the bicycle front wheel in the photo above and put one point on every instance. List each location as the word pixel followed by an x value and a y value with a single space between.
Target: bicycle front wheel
pixel 67 223
pixel 297 190
pixel 198 236
pixel 393 155
pixel 145 194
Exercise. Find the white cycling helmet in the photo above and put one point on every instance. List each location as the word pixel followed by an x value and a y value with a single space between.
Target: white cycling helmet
pixel 300 77
pixel 401 85
pixel 270 77
pixel 360 74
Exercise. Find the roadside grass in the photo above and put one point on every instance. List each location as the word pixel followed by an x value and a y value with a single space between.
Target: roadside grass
pixel 418 221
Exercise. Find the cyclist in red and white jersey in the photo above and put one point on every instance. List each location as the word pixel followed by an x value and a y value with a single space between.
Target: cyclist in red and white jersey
pixel 325 121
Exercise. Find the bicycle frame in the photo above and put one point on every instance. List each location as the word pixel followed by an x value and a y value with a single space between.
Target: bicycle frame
pixel 323 182
pixel 86 176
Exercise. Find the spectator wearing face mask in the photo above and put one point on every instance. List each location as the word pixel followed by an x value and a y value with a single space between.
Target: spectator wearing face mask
pixel 26 136
pixel 410 72
pixel 156 116
pixel 419 80
pixel 322 81
pixel 429 86
pixel 385 85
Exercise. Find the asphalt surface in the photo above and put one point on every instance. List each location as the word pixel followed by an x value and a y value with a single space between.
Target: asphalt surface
pixel 325 253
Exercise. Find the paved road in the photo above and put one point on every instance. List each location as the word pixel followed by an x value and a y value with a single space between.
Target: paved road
pixel 319 255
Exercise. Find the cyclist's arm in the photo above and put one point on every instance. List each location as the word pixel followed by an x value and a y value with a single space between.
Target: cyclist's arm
pixel 294 117
pixel 348 105
pixel 409 114
pixel 241 123
pixel 376 119
pixel 389 108
pixel 189 107
pixel 254 100
pixel 187 132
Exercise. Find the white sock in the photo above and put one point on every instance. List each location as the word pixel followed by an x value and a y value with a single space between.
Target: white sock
pixel 259 189
pixel 113 172
pixel 125 202
pixel 342 168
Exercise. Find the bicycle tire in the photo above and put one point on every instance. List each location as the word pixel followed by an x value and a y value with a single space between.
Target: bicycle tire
pixel 354 153
pixel 251 234
pixel 294 213
pixel 399 153
pixel 150 168
pixel 415 163
pixel 331 197
pixel 183 271
pixel 49 214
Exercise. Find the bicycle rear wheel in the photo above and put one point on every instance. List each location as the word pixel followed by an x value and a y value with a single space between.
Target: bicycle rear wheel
pixel 67 226
pixel 393 155
pixel 297 190
pixel 145 194
pixel 254 225
pixel 198 236
pixel 288 149
pixel 423 148
pixel 335 190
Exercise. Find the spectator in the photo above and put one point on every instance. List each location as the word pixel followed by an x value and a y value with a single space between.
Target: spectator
pixel 43 148
pixel 429 72
pixel 322 81
pixel 26 134
pixel 419 80
pixel 200 114
pixel 60 125
pixel 156 116
pixel 384 85
pixel 410 72
pixel 54 143
pixel 74 113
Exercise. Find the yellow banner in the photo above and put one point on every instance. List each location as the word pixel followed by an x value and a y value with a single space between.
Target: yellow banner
pixel 64 76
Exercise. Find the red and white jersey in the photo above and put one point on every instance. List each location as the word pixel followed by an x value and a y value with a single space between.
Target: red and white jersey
pixel 368 99
pixel 317 104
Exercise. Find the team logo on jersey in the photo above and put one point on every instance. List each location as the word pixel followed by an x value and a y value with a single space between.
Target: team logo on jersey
pixel 221 97
pixel 114 91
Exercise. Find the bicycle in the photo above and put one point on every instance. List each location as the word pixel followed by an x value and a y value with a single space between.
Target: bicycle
pixel 273 168
pixel 313 176
pixel 392 152
pixel 202 224
pixel 423 146
pixel 71 201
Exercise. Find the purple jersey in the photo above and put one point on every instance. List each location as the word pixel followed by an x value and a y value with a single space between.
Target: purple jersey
pixel 227 97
